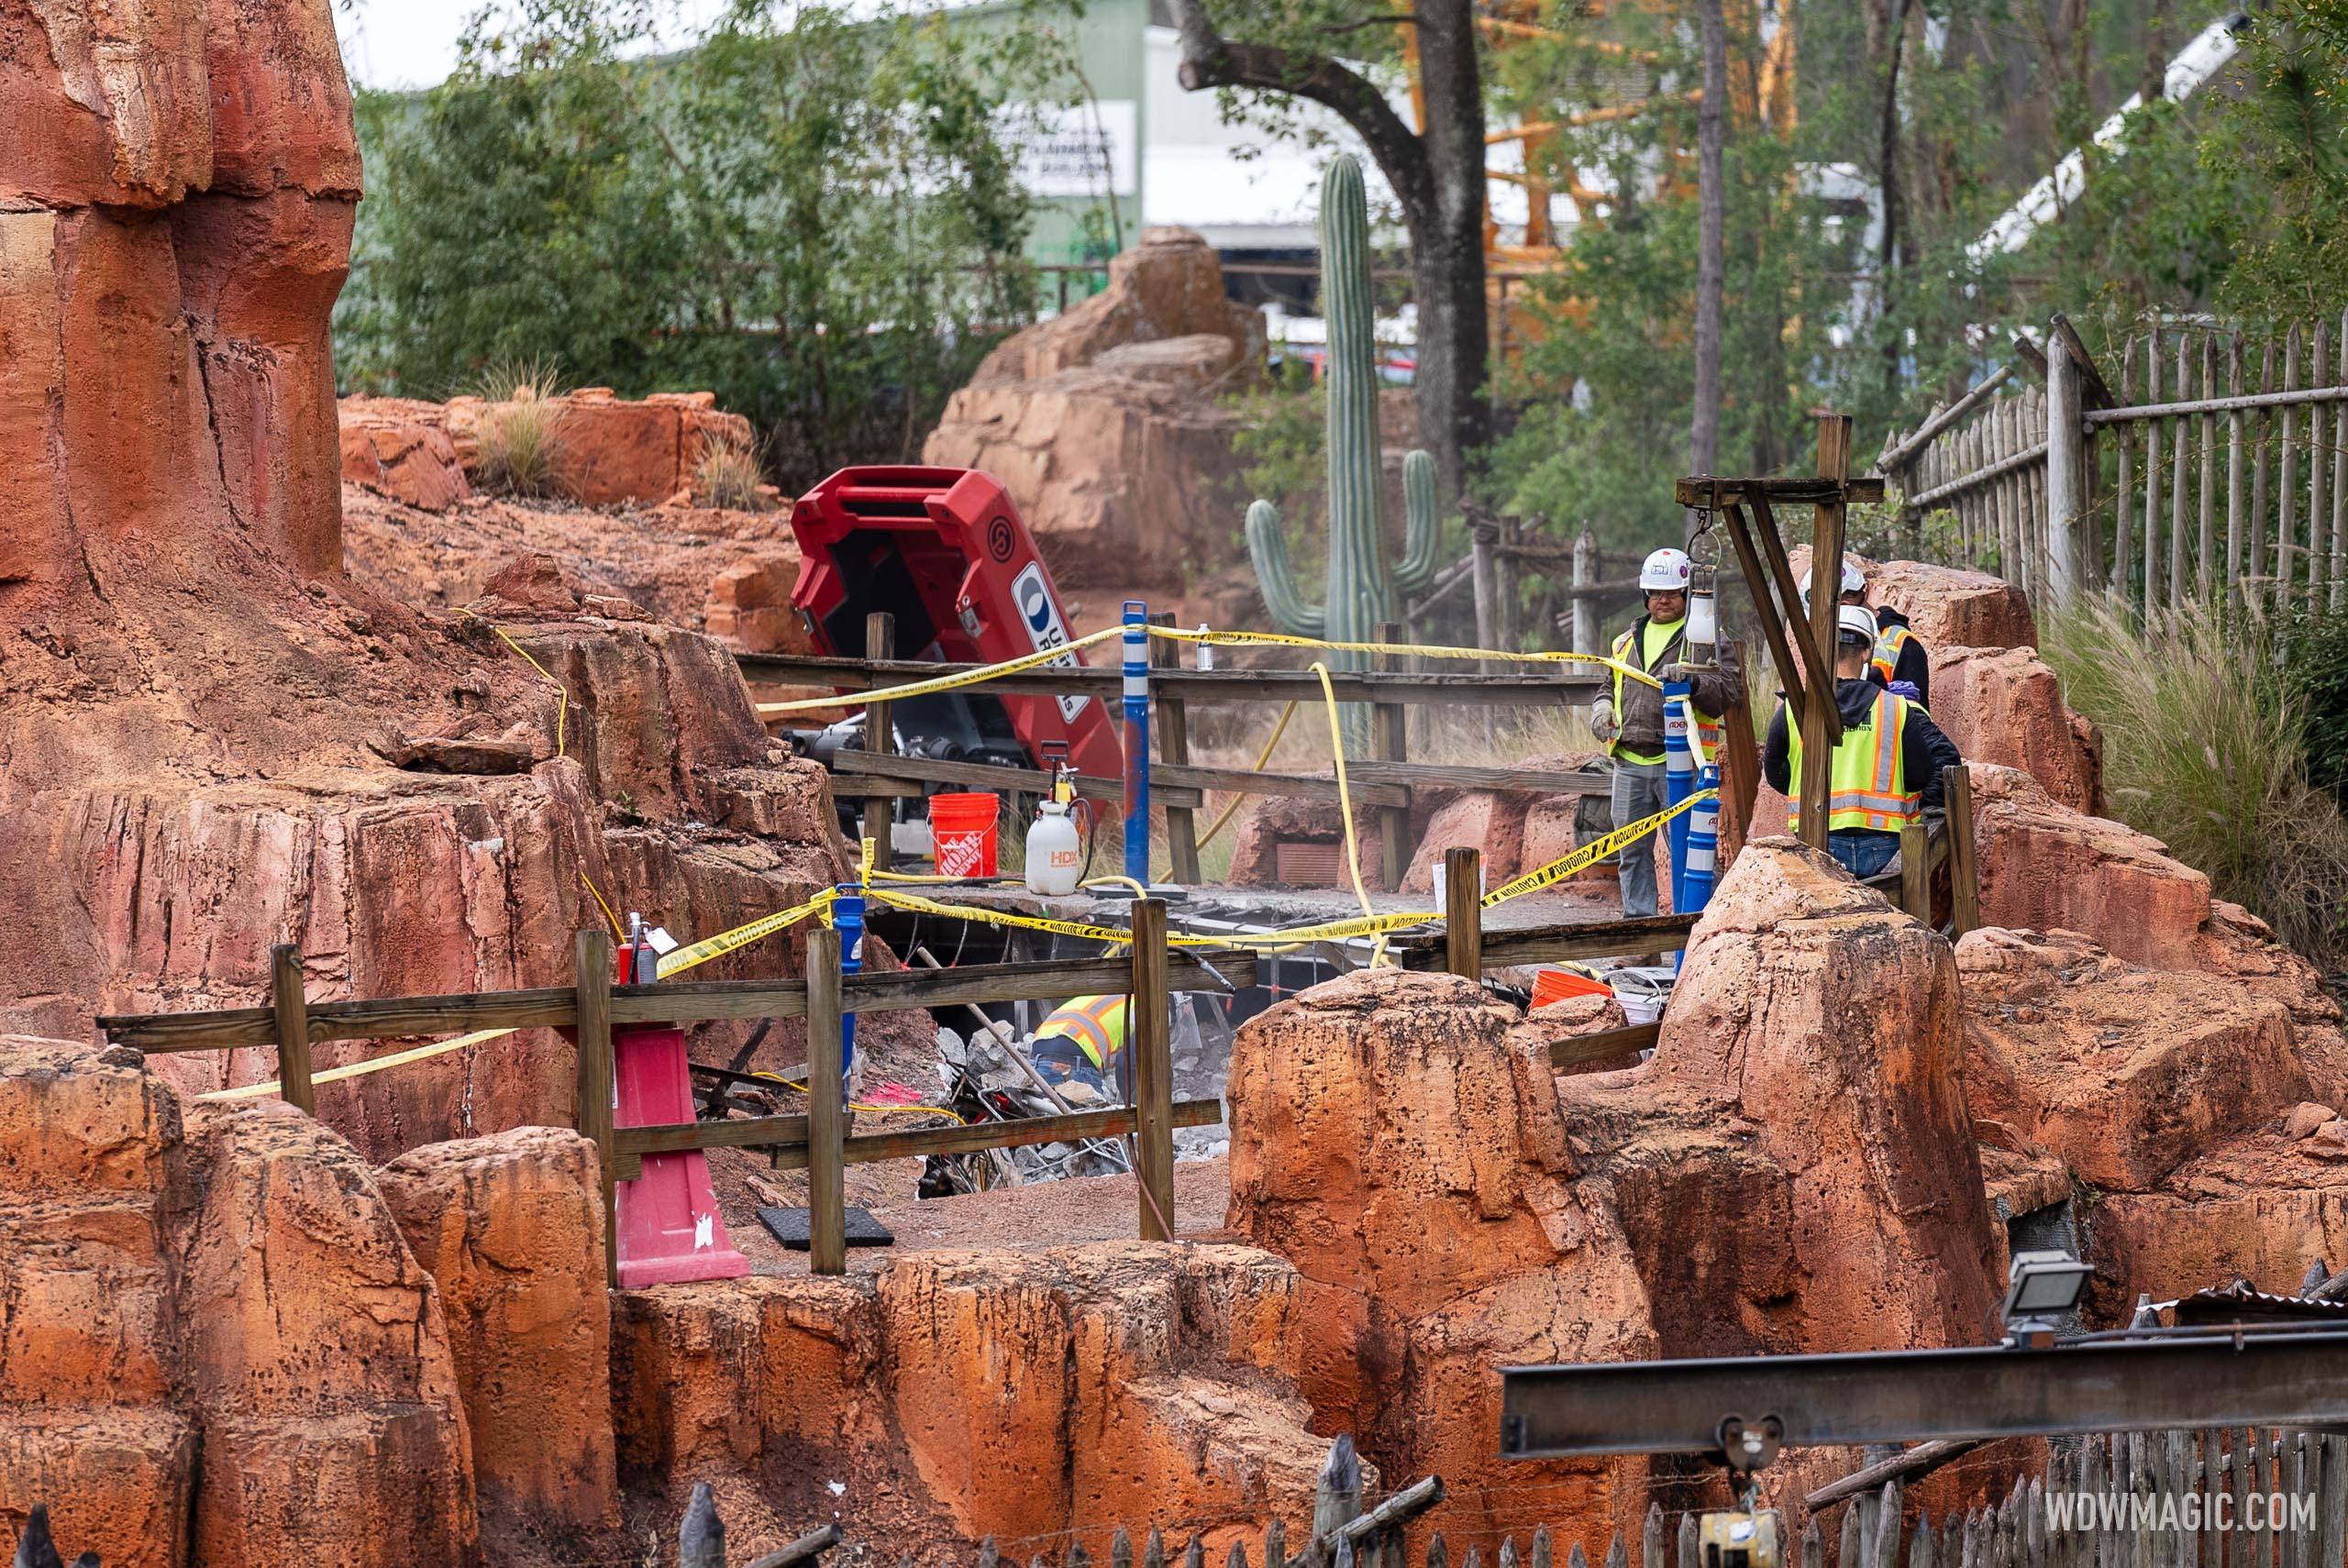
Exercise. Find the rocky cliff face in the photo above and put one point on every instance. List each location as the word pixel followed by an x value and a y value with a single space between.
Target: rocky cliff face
pixel 220 1348
pixel 1103 423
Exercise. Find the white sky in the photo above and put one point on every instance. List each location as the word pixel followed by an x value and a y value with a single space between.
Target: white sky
pixel 412 43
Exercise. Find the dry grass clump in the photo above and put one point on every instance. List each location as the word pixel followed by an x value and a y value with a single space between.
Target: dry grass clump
pixel 728 473
pixel 519 434
pixel 2206 749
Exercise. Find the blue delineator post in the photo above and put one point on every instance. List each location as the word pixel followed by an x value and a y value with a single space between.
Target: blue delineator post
pixel 847 919
pixel 1703 845
pixel 1137 645
pixel 1678 782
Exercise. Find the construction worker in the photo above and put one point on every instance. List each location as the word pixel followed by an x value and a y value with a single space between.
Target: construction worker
pixel 1080 1042
pixel 1628 717
pixel 1899 653
pixel 1886 767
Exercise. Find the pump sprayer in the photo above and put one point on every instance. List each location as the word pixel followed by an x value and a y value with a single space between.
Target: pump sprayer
pixel 1054 854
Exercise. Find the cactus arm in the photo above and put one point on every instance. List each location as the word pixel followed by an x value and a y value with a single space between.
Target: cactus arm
pixel 1416 569
pixel 1267 547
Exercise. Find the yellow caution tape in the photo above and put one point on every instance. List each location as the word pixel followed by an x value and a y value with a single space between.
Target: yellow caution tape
pixel 1345 810
pixel 360 1069
pixel 725 942
pixel 1422 650
pixel 563 706
pixel 920 905
pixel 1591 853
pixel 942 682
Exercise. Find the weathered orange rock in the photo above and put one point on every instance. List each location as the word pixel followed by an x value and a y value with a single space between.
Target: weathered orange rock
pixel 2123 1072
pixel 972 1393
pixel 1104 426
pixel 610 450
pixel 1492 823
pixel 750 605
pixel 511 1229
pixel 1394 1141
pixel 406 459
pixel 2004 706
pixel 1953 606
pixel 2047 866
pixel 218 1348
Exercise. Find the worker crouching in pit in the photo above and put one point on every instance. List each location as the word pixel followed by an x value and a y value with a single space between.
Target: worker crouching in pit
pixel 1628 719
pixel 1887 768
pixel 1079 1048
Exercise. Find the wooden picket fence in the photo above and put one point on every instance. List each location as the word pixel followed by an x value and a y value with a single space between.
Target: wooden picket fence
pixel 2034 1524
pixel 2224 477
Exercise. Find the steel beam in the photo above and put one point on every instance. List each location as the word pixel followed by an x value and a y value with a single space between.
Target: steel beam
pixel 2143 1383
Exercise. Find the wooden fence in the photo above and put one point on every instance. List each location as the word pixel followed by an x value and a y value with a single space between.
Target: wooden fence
pixel 817 1139
pixel 2212 466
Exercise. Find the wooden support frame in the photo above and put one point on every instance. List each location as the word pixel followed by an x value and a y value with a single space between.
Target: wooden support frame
pixel 1390 738
pixel 1150 1019
pixel 1821 723
pixel 592 953
pixel 827 1109
pixel 289 1008
pixel 1173 728
pixel 1964 865
pixel 1463 911
pixel 879 643
pixel 1916 872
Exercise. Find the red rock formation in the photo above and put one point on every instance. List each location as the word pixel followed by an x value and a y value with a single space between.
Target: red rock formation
pixel 397 455
pixel 1394 1141
pixel 2004 706
pixel 1014 1394
pixel 212 1332
pixel 610 450
pixel 2044 865
pixel 511 1229
pixel 1944 605
pixel 1103 423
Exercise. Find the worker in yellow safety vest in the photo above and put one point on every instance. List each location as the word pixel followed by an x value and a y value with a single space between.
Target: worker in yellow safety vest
pixel 1080 1042
pixel 1887 767
pixel 1899 655
pixel 1627 717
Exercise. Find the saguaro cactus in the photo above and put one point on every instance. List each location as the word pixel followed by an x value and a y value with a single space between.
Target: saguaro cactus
pixel 1358 595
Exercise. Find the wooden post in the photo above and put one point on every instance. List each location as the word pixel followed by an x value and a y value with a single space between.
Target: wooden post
pixel 1740 763
pixel 1149 1018
pixel 591 956
pixel 880 643
pixel 1916 872
pixel 1174 748
pixel 1964 869
pixel 826 1115
pixel 1584 607
pixel 1480 538
pixel 293 1009
pixel 1825 579
pixel 1463 911
pixel 1391 737
pixel 2067 553
pixel 1510 571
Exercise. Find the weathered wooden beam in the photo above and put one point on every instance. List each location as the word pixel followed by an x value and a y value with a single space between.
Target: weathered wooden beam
pixel 1194 685
pixel 1515 781
pixel 1907 1465
pixel 1604 1044
pixel 995 776
pixel 1552 943
pixel 158 1034
pixel 1802 490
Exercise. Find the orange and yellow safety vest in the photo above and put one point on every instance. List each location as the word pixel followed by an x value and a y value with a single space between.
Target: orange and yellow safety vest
pixel 1887 649
pixel 1097 1024
pixel 1868 781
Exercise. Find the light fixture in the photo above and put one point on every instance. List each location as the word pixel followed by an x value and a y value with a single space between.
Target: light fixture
pixel 2040 1286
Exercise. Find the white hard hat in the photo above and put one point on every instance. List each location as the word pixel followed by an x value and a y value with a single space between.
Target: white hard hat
pixel 1666 571
pixel 1853 581
pixel 1856 619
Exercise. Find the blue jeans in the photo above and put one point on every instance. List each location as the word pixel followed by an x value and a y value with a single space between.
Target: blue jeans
pixel 1862 851
pixel 1059 1069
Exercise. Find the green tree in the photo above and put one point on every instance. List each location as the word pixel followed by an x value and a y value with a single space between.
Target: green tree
pixel 816 218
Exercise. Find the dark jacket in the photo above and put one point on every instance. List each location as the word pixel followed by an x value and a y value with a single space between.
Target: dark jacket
pixel 1915 666
pixel 1924 749
pixel 1640 711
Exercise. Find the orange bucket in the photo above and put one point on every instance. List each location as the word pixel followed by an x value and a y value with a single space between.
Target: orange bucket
pixel 962 834
pixel 1556 985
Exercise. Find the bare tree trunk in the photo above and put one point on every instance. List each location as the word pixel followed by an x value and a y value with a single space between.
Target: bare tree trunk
pixel 1887 251
pixel 1704 436
pixel 1437 175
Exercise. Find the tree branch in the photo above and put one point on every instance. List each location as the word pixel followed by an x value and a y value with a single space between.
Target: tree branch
pixel 1209 60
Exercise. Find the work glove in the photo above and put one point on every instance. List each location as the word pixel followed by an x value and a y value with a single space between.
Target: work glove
pixel 1603 723
pixel 1904 689
pixel 1675 671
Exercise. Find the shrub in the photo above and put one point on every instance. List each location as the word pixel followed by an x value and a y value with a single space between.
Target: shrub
pixel 729 474
pixel 2206 749
pixel 2315 674
pixel 520 431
